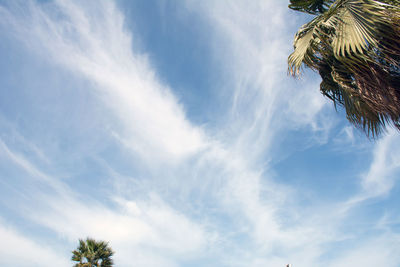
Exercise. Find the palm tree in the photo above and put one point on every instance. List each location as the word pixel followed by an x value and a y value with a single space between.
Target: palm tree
pixel 92 253
pixel 355 47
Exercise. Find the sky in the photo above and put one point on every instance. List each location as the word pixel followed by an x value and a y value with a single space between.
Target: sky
pixel 172 130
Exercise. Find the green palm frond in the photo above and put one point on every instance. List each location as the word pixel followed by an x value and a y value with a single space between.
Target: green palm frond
pixel 92 253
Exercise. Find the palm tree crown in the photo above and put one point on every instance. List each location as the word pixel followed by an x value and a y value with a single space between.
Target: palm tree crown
pixel 92 253
pixel 355 47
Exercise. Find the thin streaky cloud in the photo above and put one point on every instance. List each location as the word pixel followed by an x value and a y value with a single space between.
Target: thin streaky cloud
pixel 18 250
pixel 100 50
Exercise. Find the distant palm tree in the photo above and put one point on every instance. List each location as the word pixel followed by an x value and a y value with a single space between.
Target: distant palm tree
pixel 355 47
pixel 92 253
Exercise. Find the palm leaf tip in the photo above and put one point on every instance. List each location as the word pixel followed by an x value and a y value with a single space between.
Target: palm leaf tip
pixel 305 46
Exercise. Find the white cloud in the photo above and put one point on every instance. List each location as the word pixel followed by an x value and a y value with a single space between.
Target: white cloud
pixel 147 227
pixel 383 171
pixel 256 41
pixel 265 108
pixel 153 122
pixel 31 170
pixel 346 136
pixel 150 224
pixel 266 103
pixel 18 250
pixel 90 40
pixel 380 251
pixel 381 176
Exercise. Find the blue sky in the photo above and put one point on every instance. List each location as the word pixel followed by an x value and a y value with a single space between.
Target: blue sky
pixel 171 130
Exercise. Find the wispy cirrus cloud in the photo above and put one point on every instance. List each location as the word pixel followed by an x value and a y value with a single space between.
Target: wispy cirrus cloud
pixel 91 41
pixel 382 174
pixel 146 226
pixel 17 249
pixel 374 251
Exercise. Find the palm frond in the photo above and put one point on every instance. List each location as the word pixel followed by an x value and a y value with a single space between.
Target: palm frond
pixel 355 47
pixel 310 6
